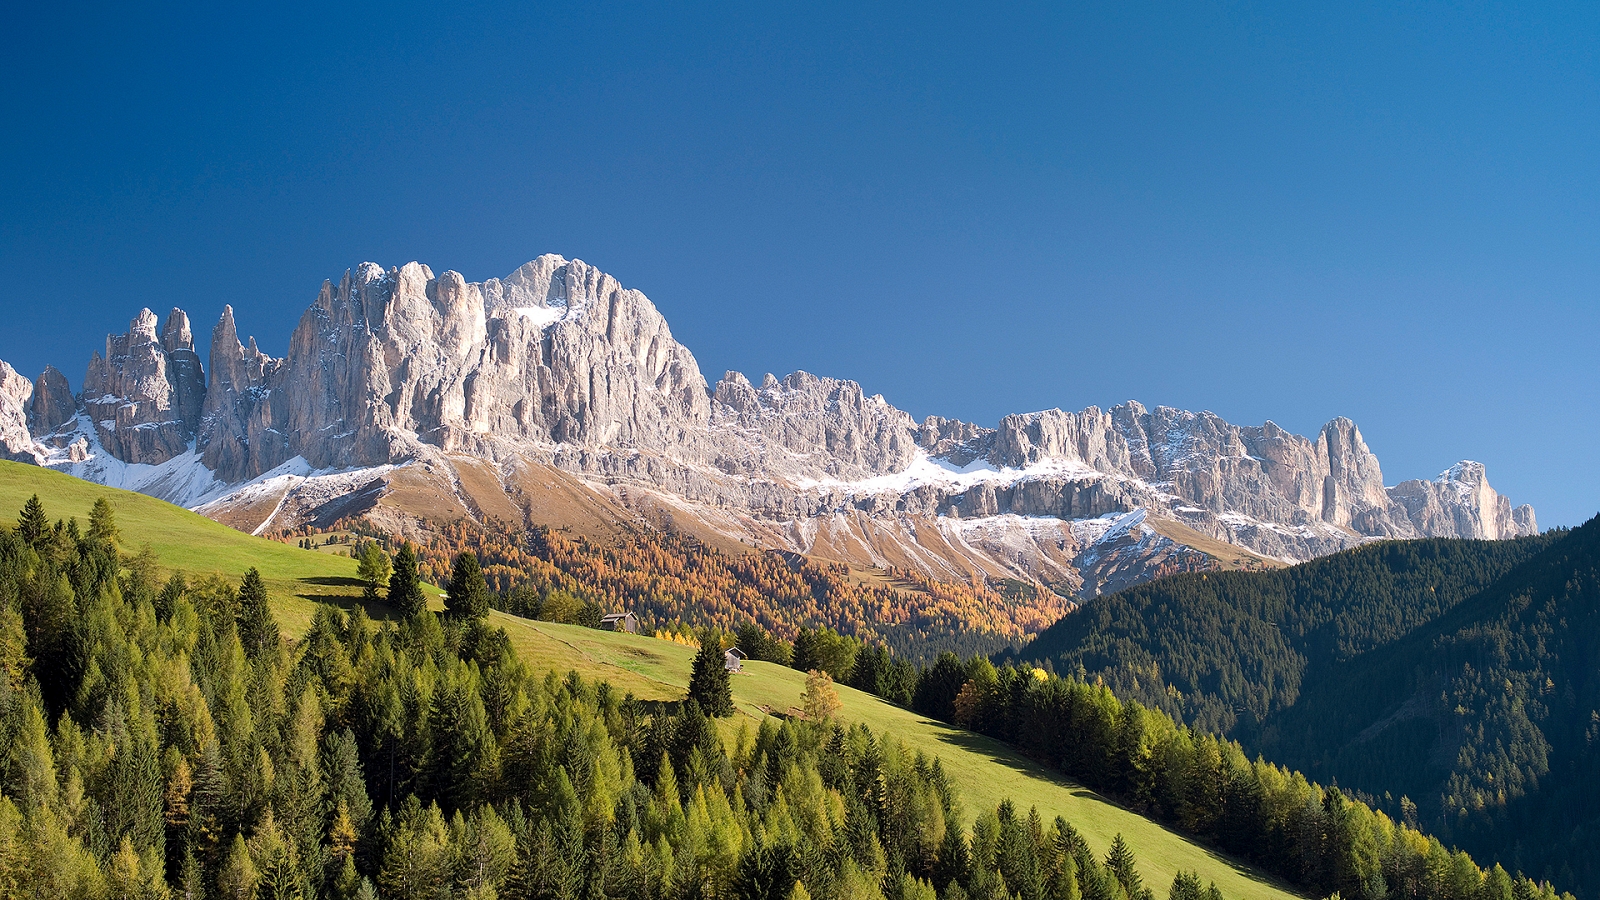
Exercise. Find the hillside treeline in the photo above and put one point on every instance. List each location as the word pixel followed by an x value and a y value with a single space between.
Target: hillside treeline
pixel 1322 840
pixel 161 739
pixel 672 578
pixel 1313 837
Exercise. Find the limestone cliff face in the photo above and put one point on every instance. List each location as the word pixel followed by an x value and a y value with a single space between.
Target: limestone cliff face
pixel 238 436
pixel 809 426
pixel 144 396
pixel 16 405
pixel 1259 487
pixel 559 365
pixel 389 361
pixel 53 403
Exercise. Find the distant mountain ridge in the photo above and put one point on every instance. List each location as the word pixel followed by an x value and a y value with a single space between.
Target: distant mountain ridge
pixel 557 396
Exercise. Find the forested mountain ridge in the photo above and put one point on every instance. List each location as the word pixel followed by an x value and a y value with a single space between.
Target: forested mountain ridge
pixel 1224 650
pixel 1487 717
pixel 1453 683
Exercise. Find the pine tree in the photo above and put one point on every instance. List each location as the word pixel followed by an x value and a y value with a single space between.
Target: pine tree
pixel 258 631
pixel 708 682
pixel 405 585
pixel 1121 862
pixel 1186 886
pixel 373 570
pixel 33 525
pixel 468 594
pixel 103 524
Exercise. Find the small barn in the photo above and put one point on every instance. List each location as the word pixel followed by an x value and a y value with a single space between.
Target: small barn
pixel 622 621
pixel 733 658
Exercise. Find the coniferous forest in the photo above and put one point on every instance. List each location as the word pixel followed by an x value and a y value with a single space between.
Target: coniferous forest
pixel 163 740
pixel 1451 683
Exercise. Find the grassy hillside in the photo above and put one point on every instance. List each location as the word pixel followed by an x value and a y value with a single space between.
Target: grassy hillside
pixel 187 541
pixel 986 771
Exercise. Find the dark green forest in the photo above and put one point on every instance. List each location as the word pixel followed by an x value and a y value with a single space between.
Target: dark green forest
pixel 1454 684
pixel 1224 650
pixel 1319 839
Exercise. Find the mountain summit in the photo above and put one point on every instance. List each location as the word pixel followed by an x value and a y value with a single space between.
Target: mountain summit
pixel 558 396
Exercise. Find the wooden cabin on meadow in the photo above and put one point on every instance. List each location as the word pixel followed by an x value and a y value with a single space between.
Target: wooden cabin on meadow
pixel 622 621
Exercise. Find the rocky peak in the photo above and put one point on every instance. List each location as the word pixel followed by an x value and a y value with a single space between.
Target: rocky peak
pixel 827 426
pixel 53 405
pixel 1461 503
pixel 145 400
pixel 237 437
pixel 175 335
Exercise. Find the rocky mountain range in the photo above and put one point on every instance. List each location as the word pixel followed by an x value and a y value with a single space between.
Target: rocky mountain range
pixel 557 396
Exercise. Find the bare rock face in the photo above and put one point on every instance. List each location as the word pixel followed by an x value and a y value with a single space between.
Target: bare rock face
pixel 16 401
pixel 144 395
pixel 1460 503
pixel 53 405
pixel 817 426
pixel 557 352
pixel 237 434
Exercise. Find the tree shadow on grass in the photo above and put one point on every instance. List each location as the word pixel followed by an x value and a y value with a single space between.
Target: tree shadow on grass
pixel 334 581
pixel 349 602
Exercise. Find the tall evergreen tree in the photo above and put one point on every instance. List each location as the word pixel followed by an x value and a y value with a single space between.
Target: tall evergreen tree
pixel 405 585
pixel 467 597
pixel 103 524
pixel 258 631
pixel 1121 862
pixel 33 524
pixel 708 682
pixel 373 570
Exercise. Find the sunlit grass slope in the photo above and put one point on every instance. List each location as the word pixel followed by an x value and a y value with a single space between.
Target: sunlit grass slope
pixel 189 541
pixel 985 770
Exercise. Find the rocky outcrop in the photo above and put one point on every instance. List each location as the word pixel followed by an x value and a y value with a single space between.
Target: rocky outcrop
pixel 1460 503
pixel 238 435
pixel 388 362
pixel 53 404
pixel 144 396
pixel 811 426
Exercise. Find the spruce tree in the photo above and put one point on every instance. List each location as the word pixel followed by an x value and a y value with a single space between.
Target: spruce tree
pixel 1186 886
pixel 373 570
pixel 1123 866
pixel 103 524
pixel 709 683
pixel 405 585
pixel 258 631
pixel 468 594
pixel 33 524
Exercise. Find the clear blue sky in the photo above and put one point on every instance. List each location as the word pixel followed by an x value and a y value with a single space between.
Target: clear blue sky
pixel 1389 212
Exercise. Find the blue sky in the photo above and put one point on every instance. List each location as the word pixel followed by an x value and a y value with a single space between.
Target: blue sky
pixel 1389 212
